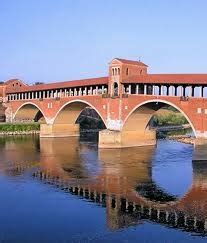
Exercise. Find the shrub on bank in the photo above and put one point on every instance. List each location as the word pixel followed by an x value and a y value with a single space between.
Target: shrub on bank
pixel 170 119
pixel 19 127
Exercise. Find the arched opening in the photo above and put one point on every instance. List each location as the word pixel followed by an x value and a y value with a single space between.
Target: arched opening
pixel 168 154
pixel 115 89
pixel 154 114
pixel 112 71
pixel 89 119
pixel 39 117
pixel 82 114
pixel 180 90
pixel 29 113
pixel 171 90
pixel 139 128
pixel 118 71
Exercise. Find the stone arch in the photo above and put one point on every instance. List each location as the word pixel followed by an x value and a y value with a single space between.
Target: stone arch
pixel 144 111
pixel 29 112
pixel 70 111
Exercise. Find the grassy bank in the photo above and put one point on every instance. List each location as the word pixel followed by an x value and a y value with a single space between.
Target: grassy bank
pixel 12 128
pixel 170 119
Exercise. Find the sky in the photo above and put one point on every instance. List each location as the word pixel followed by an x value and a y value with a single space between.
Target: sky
pixel 58 40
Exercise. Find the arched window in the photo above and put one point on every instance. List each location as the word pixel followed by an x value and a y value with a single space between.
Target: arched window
pixel 141 71
pixel 118 71
pixel 112 71
pixel 115 89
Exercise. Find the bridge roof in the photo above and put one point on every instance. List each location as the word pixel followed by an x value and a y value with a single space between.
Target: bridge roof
pixel 61 85
pixel 168 78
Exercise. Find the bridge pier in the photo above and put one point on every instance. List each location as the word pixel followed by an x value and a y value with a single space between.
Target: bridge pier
pixel 124 139
pixel 59 130
pixel 200 150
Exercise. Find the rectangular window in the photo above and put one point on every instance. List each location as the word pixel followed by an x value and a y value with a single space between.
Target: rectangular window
pixel 199 110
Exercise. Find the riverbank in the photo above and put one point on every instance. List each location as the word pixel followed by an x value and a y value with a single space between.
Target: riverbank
pixel 176 133
pixel 19 128
pixel 180 133
pixel 172 128
pixel 182 139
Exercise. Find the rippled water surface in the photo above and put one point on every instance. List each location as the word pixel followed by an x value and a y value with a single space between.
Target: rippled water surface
pixel 66 190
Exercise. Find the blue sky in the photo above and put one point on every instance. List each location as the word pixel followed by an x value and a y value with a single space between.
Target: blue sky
pixel 54 40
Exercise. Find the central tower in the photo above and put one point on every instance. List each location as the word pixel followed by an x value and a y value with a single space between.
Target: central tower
pixel 120 69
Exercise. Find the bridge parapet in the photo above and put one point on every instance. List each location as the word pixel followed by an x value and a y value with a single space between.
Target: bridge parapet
pixel 183 92
pixel 48 93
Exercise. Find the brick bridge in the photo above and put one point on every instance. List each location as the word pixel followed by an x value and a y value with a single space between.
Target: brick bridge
pixel 125 100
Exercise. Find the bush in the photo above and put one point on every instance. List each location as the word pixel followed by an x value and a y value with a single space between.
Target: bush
pixel 170 119
pixel 19 127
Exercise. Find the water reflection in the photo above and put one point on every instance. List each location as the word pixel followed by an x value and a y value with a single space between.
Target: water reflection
pixel 19 153
pixel 120 180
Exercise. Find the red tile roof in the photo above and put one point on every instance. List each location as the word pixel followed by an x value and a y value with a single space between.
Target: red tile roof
pixel 168 79
pixel 61 85
pixel 125 61
pixel 10 81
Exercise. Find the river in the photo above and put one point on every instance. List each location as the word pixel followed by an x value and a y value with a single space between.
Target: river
pixel 67 190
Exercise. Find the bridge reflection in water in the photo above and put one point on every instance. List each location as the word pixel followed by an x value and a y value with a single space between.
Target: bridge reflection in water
pixel 121 181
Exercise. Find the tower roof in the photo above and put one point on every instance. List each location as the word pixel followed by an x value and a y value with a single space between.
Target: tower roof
pixel 132 62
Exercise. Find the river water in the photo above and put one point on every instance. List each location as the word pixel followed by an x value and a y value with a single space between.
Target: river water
pixel 66 190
